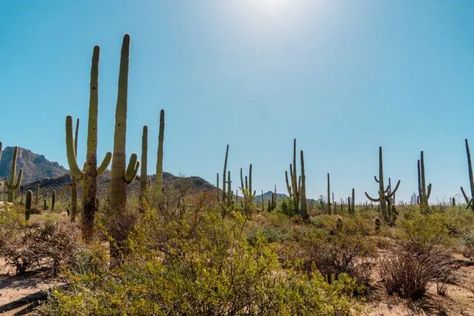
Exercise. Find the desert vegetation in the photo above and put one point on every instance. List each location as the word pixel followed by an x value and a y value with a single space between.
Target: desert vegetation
pixel 225 251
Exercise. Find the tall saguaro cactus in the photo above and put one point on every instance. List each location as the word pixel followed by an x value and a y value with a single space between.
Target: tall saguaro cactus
pixel 15 180
pixel 297 186
pixel 469 201
pixel 224 175
pixel 74 180
pixel 122 175
pixel 351 202
pixel 159 161
pixel 328 203
pixel 88 176
pixel 247 190
pixel 384 194
pixel 424 192
pixel 143 170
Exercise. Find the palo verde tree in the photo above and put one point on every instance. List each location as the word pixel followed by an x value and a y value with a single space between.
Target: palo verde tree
pixel 87 176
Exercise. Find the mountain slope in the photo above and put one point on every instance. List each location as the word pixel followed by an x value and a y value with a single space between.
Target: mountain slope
pixel 35 167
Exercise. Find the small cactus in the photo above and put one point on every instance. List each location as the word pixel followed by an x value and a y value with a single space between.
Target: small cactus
pixel 339 223
pixel 29 197
pixel 377 224
pixel 53 200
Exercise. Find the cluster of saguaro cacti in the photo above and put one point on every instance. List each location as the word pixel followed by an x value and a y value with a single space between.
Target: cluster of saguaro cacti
pixel 296 185
pixel 14 183
pixel 387 209
pixel 246 188
pixel 469 201
pixel 87 176
pixel 424 191
pixel 351 202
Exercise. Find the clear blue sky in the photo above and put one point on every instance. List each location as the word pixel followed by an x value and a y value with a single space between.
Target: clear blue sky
pixel 343 77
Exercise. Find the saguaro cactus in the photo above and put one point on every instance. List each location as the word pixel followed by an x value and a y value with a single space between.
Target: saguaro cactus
pixel 328 203
pixel 351 202
pixel 224 174
pixel 424 192
pixel 15 180
pixel 384 195
pixel 74 181
pixel 246 188
pixel 88 176
pixel 297 186
pixel 122 175
pixel 159 161
pixel 53 200
pixel 29 198
pixel 469 201
pixel 143 170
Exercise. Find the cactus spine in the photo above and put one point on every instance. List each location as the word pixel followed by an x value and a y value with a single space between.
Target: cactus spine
pixel 384 194
pixel 469 201
pixel 88 176
pixel 159 161
pixel 424 192
pixel 15 180
pixel 29 198
pixel 143 170
pixel 73 179
pixel 122 175
pixel 297 186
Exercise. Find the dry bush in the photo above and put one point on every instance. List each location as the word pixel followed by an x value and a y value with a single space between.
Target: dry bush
pixel 51 244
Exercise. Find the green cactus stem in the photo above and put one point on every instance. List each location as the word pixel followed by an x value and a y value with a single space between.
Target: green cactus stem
pixel 53 200
pixel 224 174
pixel 328 203
pixel 121 174
pixel 385 194
pixel 159 161
pixel 469 201
pixel 15 180
pixel 143 170
pixel 247 191
pixel 424 192
pixel 74 181
pixel 29 197
pixel 296 185
pixel 88 176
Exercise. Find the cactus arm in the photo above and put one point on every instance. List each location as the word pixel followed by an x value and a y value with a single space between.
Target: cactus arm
pixel 132 169
pixel 105 163
pixel 71 156
pixel 465 195
pixel 394 190
pixel 241 179
pixel 429 191
pixel 376 179
pixel 371 198
pixel 18 179
pixel 470 203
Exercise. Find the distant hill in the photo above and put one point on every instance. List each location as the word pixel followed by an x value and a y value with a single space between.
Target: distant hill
pixel 35 167
pixel 267 196
pixel 178 184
